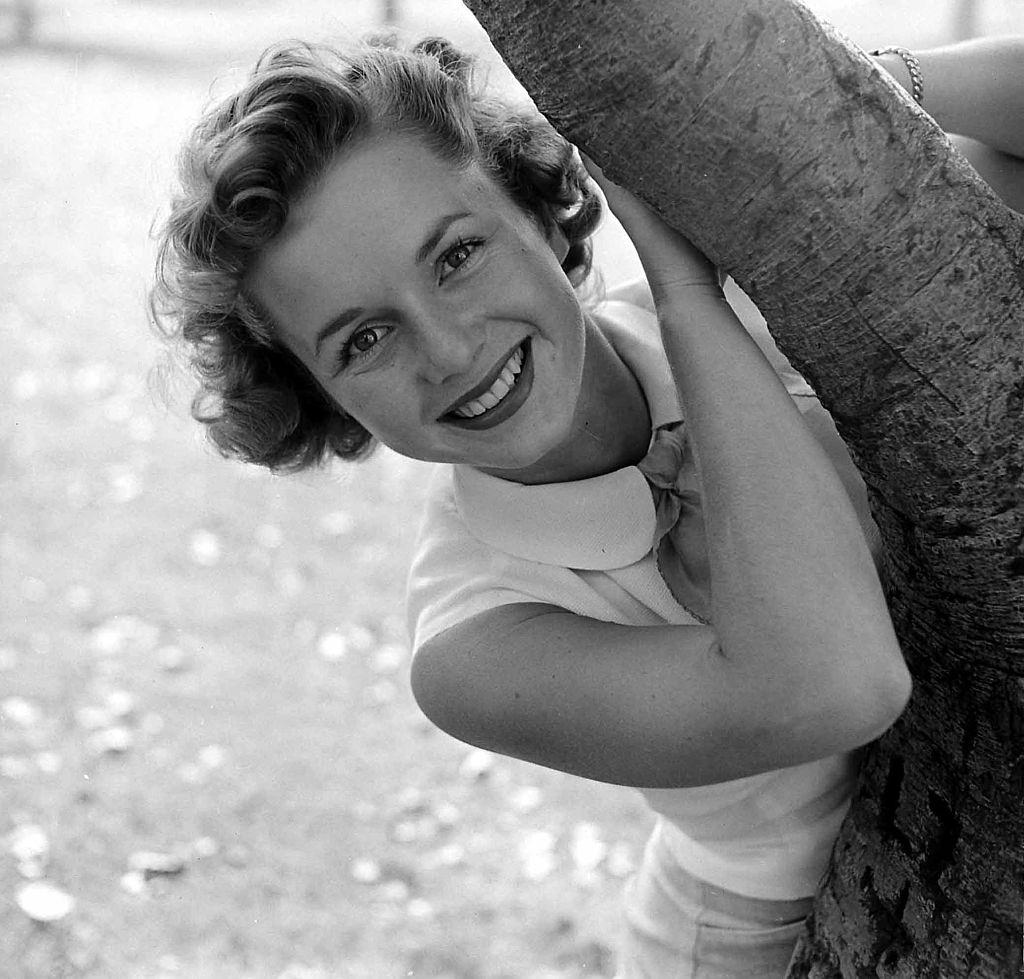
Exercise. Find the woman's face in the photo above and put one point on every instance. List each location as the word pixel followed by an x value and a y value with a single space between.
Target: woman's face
pixel 430 307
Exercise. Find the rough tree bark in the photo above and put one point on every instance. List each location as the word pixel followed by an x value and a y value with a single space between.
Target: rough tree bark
pixel 892 277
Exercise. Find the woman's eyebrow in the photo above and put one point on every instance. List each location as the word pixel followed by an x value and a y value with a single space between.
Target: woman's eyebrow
pixel 437 234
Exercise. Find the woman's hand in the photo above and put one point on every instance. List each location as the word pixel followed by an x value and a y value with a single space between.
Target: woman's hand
pixel 670 260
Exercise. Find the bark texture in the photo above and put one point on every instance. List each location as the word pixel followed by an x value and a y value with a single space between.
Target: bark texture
pixel 893 278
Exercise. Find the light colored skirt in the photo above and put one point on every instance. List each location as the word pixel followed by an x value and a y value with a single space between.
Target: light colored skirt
pixel 680 927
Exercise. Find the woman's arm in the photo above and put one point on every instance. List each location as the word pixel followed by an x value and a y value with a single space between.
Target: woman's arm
pixel 802 661
pixel 975 90
pixel 653 706
pixel 793 584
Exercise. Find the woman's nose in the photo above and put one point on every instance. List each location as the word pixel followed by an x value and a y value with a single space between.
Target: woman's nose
pixel 448 346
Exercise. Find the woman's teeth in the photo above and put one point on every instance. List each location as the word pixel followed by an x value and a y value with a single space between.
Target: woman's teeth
pixel 504 383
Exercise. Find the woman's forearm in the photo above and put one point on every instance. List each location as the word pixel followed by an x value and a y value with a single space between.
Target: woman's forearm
pixel 794 587
pixel 791 574
pixel 973 88
pixel 794 591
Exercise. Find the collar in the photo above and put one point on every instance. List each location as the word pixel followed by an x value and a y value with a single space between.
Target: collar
pixel 595 524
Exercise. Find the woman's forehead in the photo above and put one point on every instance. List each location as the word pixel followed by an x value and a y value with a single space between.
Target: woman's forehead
pixel 378 211
pixel 385 196
pixel 396 173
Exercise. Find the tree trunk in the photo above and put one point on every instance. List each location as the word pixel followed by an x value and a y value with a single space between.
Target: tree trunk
pixel 892 277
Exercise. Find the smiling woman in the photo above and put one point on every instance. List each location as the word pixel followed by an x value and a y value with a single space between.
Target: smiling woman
pixel 257 159
pixel 444 284
pixel 646 556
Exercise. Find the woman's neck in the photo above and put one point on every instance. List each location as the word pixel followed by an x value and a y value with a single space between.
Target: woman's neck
pixel 612 423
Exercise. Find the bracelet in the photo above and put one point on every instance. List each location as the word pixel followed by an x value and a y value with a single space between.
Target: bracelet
pixel 913 66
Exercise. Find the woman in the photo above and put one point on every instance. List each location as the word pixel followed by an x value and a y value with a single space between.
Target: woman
pixel 366 249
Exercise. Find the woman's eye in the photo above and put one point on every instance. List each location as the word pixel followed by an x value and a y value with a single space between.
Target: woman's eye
pixel 457 256
pixel 362 340
pixel 360 343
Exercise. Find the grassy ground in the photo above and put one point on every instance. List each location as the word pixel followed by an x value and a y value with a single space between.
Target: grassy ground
pixel 206 663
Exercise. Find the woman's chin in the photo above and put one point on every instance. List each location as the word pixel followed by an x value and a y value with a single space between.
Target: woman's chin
pixel 549 464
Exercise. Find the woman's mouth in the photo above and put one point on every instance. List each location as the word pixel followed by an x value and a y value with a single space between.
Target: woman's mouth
pixel 497 392
pixel 501 398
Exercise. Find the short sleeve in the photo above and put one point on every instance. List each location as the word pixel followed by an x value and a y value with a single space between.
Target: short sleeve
pixel 454 576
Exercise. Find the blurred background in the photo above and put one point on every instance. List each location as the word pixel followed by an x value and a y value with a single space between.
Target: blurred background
pixel 210 763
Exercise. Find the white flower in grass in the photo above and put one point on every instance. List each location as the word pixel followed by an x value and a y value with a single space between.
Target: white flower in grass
pixel 447 814
pixel 477 764
pixel 14 766
pixel 620 862
pixel 449 855
pixel 125 484
pixel 134 882
pixel 212 756
pixel 120 703
pixel 380 693
pixel 92 718
pixel 393 891
pixel 388 659
pixel 172 659
pixel 20 711
pixel 332 646
pixel 205 846
pixel 28 843
pixel 360 639
pixel 111 741
pixel 537 855
pixel 365 870
pixel 150 863
pixel 290 581
pixel 204 548
pixel 26 385
pixel 419 909
pixel 587 848
pixel 123 633
pixel 336 523
pixel 44 902
pixel 526 798
pixel 49 762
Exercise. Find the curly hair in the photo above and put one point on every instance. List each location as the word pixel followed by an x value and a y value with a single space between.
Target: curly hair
pixel 254 155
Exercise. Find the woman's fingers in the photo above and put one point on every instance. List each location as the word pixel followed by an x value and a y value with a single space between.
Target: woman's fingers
pixel 667 255
pixel 623 204
pixel 592 168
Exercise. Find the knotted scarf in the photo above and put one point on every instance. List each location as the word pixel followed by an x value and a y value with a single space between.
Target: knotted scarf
pixel 680 547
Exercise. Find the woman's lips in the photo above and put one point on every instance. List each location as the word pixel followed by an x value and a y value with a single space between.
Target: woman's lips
pixel 469 407
pixel 505 408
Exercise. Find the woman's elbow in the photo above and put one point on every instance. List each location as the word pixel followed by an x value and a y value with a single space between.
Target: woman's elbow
pixel 431 685
pixel 883 697
pixel 860 696
pixel 900 689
